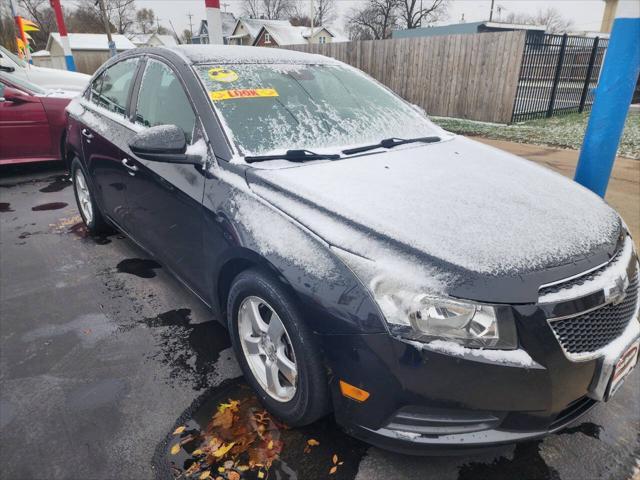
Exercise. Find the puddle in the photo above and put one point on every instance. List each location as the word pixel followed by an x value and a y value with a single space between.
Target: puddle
pixel 5 207
pixel 57 184
pixel 259 447
pixel 587 428
pixel 49 206
pixel 189 350
pixel 140 267
pixel 527 462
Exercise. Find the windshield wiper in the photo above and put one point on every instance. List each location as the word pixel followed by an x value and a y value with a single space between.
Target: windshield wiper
pixel 390 143
pixel 293 156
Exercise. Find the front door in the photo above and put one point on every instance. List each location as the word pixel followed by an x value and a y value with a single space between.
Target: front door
pixel 166 202
pixel 24 128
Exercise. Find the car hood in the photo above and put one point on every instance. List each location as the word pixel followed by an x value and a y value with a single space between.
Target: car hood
pixel 459 205
pixel 52 78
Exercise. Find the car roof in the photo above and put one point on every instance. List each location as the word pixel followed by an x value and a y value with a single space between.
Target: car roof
pixel 237 54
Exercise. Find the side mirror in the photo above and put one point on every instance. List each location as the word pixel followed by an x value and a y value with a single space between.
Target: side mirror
pixel 17 96
pixel 163 143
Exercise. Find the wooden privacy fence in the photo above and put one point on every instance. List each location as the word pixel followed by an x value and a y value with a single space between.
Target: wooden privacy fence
pixel 463 76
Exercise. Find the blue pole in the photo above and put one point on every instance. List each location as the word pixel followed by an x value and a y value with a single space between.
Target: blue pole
pixel 611 104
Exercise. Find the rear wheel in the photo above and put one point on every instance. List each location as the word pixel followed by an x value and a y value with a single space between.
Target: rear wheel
pixel 85 200
pixel 277 352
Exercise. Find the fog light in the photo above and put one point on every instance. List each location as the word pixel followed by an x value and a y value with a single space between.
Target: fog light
pixel 354 393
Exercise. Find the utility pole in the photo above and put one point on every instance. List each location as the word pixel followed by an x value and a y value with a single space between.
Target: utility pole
pixel 107 28
pixel 190 15
pixel 214 21
pixel 311 15
pixel 491 12
pixel 64 39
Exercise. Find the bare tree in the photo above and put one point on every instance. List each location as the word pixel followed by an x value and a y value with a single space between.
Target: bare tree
pixel 374 21
pixel 277 9
pixel 187 36
pixel 84 19
pixel 324 13
pixel 268 9
pixel 41 13
pixel 552 20
pixel 416 13
pixel 252 8
pixel 145 19
pixel 120 13
pixel 7 31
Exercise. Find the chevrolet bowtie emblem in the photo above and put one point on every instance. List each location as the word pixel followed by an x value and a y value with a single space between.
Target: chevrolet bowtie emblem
pixel 618 291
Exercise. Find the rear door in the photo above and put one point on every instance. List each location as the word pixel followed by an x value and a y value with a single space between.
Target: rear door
pixel 166 202
pixel 24 128
pixel 106 130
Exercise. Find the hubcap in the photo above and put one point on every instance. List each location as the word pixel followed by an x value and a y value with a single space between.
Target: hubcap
pixel 267 348
pixel 84 199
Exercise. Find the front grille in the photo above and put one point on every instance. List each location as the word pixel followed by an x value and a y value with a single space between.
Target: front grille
pixel 593 330
pixel 590 277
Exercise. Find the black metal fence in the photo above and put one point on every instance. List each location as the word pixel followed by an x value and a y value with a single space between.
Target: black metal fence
pixel 558 75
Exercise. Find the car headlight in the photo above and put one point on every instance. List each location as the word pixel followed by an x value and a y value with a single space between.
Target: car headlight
pixel 423 317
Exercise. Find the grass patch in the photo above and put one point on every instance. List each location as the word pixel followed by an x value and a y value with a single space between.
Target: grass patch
pixel 565 131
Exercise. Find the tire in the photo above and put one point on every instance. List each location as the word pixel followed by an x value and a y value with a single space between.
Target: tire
pixel 89 211
pixel 309 399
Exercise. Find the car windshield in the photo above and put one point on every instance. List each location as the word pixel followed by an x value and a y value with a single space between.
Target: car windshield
pixel 273 108
pixel 22 84
pixel 13 57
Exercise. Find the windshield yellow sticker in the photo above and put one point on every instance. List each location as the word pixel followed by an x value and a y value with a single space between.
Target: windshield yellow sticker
pixel 220 74
pixel 243 93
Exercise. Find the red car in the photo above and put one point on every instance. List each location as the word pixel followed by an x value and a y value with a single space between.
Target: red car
pixel 32 121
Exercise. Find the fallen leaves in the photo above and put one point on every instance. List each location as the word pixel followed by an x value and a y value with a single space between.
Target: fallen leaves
pixel 240 437
pixel 312 442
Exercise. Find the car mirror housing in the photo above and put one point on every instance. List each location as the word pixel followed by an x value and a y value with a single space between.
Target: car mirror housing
pixel 163 143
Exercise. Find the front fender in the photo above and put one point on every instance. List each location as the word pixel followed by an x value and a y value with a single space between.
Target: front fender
pixel 331 298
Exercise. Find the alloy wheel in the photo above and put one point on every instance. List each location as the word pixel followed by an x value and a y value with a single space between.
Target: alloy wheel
pixel 84 197
pixel 267 348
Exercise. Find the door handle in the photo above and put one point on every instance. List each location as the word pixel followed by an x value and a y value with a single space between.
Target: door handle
pixel 87 133
pixel 131 167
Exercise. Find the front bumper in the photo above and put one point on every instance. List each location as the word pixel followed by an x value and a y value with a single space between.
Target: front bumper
pixel 432 402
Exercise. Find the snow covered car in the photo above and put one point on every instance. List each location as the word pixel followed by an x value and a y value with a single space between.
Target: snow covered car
pixel 434 293
pixel 47 78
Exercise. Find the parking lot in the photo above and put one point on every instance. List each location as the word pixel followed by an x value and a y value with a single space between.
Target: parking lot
pixel 103 354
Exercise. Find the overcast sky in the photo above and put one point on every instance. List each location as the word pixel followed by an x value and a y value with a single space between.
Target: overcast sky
pixel 586 14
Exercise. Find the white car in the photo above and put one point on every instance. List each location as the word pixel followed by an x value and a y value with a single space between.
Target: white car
pixel 49 78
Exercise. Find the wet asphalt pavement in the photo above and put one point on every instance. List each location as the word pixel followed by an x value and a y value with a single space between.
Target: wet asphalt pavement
pixel 103 354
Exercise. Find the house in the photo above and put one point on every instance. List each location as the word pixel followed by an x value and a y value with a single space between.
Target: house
pixel 468 28
pixel 279 35
pixel 228 24
pixel 153 40
pixel 246 30
pixel 90 50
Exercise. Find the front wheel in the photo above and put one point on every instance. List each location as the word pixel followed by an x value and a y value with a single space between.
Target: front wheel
pixel 278 354
pixel 85 200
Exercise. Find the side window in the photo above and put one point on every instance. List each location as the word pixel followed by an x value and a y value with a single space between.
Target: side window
pixel 116 83
pixel 1 89
pixel 94 91
pixel 163 101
